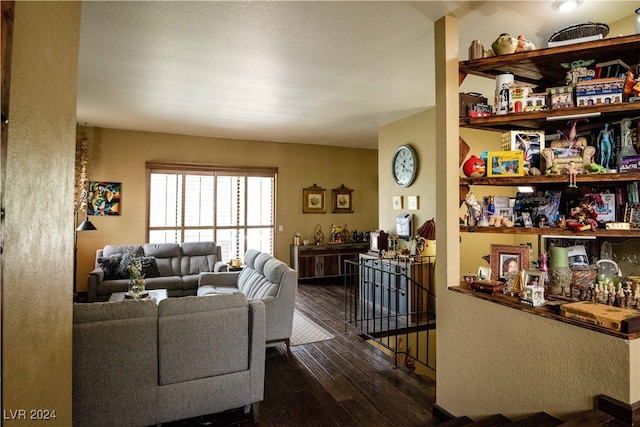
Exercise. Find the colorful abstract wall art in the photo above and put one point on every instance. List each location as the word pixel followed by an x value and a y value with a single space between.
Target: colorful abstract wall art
pixel 104 198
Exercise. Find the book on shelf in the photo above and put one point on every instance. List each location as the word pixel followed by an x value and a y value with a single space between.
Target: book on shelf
pixel 632 192
pixel 614 68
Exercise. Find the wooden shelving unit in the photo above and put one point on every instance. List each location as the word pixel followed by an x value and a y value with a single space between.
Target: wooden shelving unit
pixel 543 69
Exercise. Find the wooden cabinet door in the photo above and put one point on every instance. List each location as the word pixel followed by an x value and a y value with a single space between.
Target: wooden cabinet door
pixel 330 265
pixel 306 267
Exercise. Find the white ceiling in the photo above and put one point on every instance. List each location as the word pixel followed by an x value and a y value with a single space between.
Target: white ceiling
pixel 329 72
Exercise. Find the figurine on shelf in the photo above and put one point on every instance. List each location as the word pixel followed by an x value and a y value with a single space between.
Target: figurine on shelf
pixel 524 45
pixel 336 234
pixel 542 221
pixel 605 140
pixel 572 175
pixel 626 145
pixel 595 168
pixel 475 210
pixel 582 213
pixel 318 235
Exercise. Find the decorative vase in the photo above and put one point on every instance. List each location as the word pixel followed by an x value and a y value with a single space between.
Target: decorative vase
pixel 136 286
pixel 560 280
pixel 504 44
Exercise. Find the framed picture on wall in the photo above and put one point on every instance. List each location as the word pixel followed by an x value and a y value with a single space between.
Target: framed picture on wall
pixel 342 200
pixel 313 199
pixel 104 198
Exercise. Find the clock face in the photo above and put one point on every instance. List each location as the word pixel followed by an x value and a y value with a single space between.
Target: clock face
pixel 404 166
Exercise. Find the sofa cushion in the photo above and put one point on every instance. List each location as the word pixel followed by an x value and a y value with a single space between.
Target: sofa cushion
pixel 121 250
pixel 199 248
pixel 274 269
pixel 162 250
pixel 111 311
pixel 149 267
pixel 219 322
pixel 261 261
pixel 250 257
pixel 112 267
pixel 167 257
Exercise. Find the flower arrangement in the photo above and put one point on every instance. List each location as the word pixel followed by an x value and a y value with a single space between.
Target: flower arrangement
pixel 132 262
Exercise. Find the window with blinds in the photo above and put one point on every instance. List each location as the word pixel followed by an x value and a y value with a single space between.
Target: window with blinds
pixel 234 207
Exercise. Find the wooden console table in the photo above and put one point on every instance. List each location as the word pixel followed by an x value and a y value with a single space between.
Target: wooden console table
pixel 315 261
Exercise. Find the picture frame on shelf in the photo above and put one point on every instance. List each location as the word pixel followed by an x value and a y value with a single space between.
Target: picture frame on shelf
pixel 342 199
pixel 533 278
pixel 313 199
pixel 484 273
pixel 606 212
pixel 508 258
pixel 505 163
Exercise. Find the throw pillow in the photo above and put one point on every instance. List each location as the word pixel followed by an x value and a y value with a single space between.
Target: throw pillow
pixel 112 268
pixel 150 267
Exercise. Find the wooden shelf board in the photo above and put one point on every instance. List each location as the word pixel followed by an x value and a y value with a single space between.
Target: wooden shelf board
pixel 594 179
pixel 544 66
pixel 544 311
pixel 550 231
pixel 544 119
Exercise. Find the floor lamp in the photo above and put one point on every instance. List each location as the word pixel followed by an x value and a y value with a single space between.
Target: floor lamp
pixel 86 225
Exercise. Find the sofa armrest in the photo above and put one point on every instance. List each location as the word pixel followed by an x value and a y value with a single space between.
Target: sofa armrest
pixel 98 274
pixel 257 316
pixel 218 279
pixel 220 266
pixel 96 277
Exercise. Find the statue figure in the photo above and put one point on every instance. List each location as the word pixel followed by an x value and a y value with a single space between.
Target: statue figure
pixel 626 146
pixel 605 141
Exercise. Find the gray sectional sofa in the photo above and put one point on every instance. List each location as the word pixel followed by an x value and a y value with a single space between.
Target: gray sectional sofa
pixel 263 278
pixel 138 363
pixel 177 268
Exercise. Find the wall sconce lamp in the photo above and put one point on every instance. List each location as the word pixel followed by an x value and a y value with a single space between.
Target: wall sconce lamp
pixel 86 225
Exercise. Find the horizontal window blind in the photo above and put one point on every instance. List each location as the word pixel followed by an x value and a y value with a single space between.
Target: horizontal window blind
pixel 233 206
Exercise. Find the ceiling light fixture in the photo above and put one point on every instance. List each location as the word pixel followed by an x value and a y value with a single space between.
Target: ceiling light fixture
pixel 566 5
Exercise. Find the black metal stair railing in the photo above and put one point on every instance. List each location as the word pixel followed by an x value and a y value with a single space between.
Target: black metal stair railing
pixel 390 301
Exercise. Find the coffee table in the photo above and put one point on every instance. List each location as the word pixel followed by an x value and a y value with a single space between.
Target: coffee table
pixel 156 294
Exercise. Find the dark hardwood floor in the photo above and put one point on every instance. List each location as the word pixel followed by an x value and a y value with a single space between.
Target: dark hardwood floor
pixel 339 382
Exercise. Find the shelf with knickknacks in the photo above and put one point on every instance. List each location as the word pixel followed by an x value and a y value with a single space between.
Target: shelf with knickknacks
pixel 581 164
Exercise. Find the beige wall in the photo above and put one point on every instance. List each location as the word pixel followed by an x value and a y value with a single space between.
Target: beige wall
pixel 418 131
pixel 38 227
pixel 120 156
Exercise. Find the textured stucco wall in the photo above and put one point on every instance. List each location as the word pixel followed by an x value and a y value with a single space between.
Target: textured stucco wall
pixel 37 271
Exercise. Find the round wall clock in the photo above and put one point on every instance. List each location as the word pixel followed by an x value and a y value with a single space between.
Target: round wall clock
pixel 404 166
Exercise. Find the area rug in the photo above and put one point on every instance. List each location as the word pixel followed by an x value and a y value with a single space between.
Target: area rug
pixel 306 331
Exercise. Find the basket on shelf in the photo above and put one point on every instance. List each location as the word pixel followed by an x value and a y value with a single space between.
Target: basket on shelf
pixel 583 275
pixel 579 31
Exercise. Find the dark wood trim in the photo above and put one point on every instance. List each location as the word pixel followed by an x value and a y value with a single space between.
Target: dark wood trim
pixel 554 231
pixel 628 414
pixel 587 179
pixel 440 413
pixel 223 169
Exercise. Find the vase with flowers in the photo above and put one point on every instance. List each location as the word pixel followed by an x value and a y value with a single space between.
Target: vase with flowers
pixel 133 264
